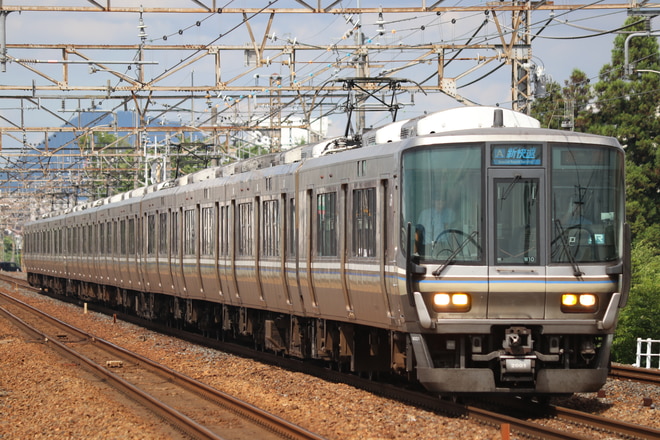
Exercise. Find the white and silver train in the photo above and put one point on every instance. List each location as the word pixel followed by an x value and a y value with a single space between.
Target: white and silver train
pixel 469 249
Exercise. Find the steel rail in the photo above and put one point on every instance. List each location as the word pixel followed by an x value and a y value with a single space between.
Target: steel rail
pixel 243 409
pixel 637 374
pixel 517 425
pixel 615 426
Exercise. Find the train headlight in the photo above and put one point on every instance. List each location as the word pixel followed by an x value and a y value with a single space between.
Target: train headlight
pixel 579 303
pixel 587 300
pixel 452 302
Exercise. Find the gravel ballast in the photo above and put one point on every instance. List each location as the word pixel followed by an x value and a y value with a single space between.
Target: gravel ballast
pixel 42 396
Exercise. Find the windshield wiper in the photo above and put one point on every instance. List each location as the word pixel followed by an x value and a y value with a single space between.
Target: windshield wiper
pixel 510 187
pixel 450 259
pixel 576 269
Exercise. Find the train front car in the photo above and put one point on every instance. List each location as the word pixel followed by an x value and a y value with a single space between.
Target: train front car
pixel 516 253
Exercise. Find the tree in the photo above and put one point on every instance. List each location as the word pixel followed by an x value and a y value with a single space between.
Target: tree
pixel 549 109
pixel 627 108
pixel 639 319
pixel 567 107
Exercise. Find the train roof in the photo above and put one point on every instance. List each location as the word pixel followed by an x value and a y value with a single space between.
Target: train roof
pixel 456 119
pixel 452 120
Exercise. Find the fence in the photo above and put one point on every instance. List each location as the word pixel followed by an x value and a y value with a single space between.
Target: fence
pixel 645 351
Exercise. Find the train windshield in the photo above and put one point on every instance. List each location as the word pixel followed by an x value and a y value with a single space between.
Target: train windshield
pixel 442 201
pixel 586 203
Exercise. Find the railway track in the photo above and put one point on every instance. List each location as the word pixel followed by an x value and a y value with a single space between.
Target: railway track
pixel 516 424
pixel 192 407
pixel 644 375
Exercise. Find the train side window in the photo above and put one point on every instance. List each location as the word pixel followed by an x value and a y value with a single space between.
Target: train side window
pixel 244 229
pixel 208 230
pixel 326 224
pixel 271 228
pixel 364 222
pixel 189 232
pixel 162 234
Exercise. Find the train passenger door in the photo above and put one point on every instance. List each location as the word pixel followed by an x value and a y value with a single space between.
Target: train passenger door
pixel 516 248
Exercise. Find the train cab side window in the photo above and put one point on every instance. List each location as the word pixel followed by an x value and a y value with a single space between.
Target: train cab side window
pixel 364 222
pixel 326 224
pixel 244 229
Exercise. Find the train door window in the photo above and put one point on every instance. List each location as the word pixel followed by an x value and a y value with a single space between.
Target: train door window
pixel 516 220
pixel 90 239
pixel 74 240
pixel 189 232
pixel 162 234
pixel 244 229
pixel 174 243
pixel 151 234
pixel 131 239
pixel 110 235
pixel 291 228
pixel 102 238
pixel 84 242
pixel 95 243
pixel 224 230
pixel 364 222
pixel 113 238
pixel 271 228
pixel 122 237
pixel 208 230
pixel 326 224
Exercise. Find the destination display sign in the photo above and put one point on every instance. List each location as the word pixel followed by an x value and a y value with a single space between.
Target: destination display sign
pixel 529 155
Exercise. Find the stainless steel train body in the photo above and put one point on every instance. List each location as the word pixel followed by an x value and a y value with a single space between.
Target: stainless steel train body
pixel 323 252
